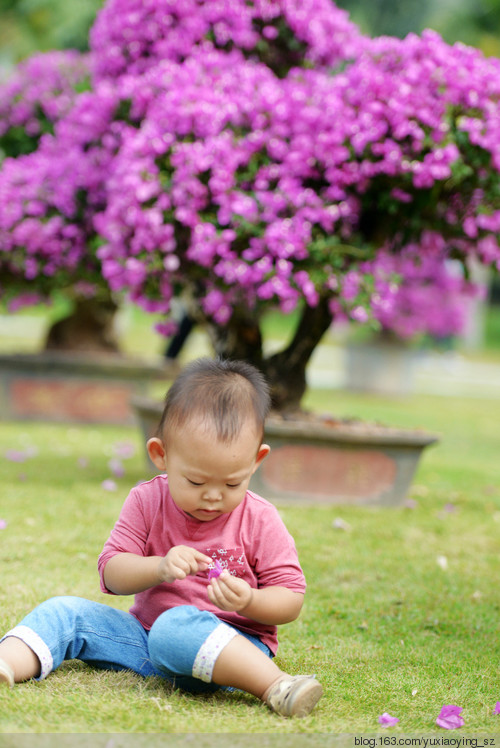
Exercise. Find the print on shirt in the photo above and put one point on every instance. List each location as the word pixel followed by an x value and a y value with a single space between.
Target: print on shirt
pixel 232 559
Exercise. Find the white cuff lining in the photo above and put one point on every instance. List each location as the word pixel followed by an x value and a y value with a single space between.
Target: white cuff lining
pixel 34 642
pixel 210 650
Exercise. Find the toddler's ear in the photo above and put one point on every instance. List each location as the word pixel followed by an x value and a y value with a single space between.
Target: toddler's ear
pixel 156 452
pixel 264 450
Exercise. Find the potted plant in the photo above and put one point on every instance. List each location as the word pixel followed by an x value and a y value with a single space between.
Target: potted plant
pixel 262 156
pixel 47 235
pixel 430 308
pixel 48 246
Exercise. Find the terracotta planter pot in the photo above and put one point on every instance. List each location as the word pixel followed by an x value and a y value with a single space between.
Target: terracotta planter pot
pixel 70 387
pixel 329 462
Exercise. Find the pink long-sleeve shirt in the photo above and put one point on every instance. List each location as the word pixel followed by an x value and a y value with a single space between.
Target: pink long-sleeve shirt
pixel 251 542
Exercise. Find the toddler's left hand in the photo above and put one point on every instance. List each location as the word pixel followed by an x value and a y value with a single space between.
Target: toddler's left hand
pixel 229 593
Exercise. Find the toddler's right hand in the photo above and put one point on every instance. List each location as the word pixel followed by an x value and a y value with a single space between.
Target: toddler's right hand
pixel 180 561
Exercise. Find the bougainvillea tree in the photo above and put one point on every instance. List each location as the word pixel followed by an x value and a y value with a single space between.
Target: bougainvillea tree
pixel 39 92
pixel 266 155
pixel 46 230
pixel 49 199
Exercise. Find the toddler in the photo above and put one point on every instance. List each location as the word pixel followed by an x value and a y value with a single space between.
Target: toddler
pixel 211 565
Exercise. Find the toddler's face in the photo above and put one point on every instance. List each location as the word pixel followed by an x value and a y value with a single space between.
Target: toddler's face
pixel 208 477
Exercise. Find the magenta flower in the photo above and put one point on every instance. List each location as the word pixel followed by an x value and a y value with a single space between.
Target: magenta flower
pixel 16 455
pixel 215 572
pixel 3 524
pixel 170 30
pixel 116 467
pixel 24 299
pixel 109 485
pixel 410 504
pixel 41 91
pixel 124 450
pixel 496 710
pixel 449 717
pixel 386 720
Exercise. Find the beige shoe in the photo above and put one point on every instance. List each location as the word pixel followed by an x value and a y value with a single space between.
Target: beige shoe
pixel 6 674
pixel 294 695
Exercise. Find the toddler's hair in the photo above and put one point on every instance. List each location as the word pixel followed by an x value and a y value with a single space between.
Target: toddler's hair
pixel 221 393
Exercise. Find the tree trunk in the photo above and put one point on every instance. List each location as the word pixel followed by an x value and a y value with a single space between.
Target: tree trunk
pixel 240 339
pixel 88 328
pixel 285 371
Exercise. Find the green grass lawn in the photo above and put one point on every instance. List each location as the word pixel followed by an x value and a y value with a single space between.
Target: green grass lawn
pixel 385 626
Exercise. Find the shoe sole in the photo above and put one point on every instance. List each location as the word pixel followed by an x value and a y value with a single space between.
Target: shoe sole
pixel 305 699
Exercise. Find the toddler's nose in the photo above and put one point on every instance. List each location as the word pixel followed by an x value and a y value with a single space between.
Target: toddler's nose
pixel 213 494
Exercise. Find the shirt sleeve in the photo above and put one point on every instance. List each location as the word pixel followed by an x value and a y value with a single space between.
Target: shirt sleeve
pixel 129 534
pixel 274 555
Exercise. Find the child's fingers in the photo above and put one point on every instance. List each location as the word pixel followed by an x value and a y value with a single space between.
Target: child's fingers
pixel 215 597
pixel 228 592
pixel 227 582
pixel 222 595
pixel 203 560
pixel 192 561
pixel 182 561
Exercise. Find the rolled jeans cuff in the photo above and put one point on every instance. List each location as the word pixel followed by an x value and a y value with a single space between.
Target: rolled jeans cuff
pixel 34 642
pixel 210 650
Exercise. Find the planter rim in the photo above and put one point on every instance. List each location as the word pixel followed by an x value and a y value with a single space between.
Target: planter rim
pixel 354 433
pixel 88 362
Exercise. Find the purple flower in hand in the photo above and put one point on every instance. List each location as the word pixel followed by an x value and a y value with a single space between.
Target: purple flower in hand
pixel 215 571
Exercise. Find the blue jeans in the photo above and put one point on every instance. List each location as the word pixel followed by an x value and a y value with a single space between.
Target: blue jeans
pixel 66 628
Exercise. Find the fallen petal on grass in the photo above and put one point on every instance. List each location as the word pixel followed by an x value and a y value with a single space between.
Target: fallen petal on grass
pixel 116 467
pixel 449 717
pixel 386 720
pixel 341 524
pixel 442 562
pixel 109 485
pixel 124 450
pixel 16 455
pixel 410 504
